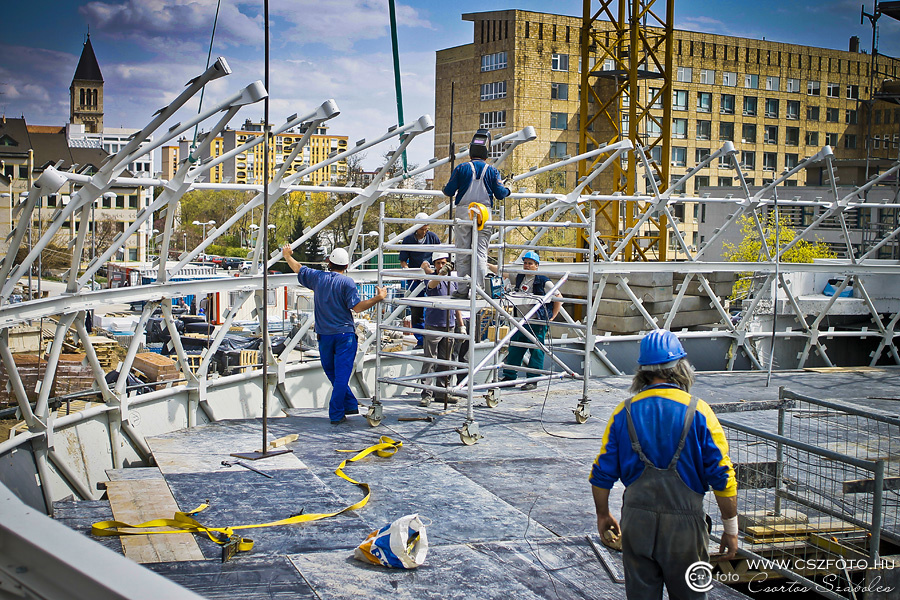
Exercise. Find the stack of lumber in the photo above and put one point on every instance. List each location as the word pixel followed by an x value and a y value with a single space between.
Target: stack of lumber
pixel 71 376
pixel 156 367
pixel 105 349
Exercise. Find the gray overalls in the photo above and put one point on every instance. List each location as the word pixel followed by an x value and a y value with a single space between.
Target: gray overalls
pixel 663 525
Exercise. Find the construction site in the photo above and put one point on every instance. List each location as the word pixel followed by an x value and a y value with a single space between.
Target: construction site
pixel 192 458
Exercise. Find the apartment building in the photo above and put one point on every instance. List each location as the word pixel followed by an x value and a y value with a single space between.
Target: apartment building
pixel 776 102
pixel 248 167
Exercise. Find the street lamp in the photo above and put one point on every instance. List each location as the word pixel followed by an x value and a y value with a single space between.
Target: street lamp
pixel 363 242
pixel 253 228
pixel 204 225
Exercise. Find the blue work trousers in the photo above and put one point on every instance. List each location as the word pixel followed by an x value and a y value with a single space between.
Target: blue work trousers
pixel 337 353
pixel 515 354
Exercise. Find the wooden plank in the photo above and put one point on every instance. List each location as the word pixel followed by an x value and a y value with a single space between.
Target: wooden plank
pixel 141 500
pixel 801 528
pixel 835 547
pixel 867 486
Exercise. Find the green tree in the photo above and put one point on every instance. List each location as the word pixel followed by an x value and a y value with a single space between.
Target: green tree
pixel 750 248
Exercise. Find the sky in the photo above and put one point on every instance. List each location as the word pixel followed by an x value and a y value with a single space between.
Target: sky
pixel 319 49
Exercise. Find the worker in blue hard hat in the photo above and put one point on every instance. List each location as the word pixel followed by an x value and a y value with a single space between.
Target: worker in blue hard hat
pixel 537 285
pixel 668 449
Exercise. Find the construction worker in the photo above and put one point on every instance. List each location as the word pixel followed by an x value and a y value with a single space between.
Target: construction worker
pixel 334 299
pixel 437 321
pixel 668 449
pixel 421 236
pixel 478 183
pixel 538 324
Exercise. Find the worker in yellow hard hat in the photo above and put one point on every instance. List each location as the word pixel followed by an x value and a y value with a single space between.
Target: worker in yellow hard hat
pixel 474 182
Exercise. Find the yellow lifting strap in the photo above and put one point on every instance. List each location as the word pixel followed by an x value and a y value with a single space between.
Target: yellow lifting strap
pixel 184 522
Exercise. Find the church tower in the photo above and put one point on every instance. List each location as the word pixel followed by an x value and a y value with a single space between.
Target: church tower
pixel 86 92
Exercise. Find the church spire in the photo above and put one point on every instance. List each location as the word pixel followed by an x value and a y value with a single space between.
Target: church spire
pixel 86 91
pixel 88 68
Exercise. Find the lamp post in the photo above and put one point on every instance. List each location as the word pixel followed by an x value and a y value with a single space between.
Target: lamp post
pixel 204 226
pixel 8 197
pixel 253 228
pixel 364 236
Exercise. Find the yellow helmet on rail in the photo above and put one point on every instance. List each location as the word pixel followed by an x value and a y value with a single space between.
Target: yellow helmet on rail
pixel 480 212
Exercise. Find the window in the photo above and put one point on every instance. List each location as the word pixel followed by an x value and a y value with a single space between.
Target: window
pixel 852 92
pixel 726 132
pixel 748 133
pixel 678 190
pixel 850 117
pixel 559 120
pixel 834 90
pixel 699 182
pixel 792 136
pixel 133 201
pixel 770 161
pixel 494 119
pixel 679 128
pixel 559 62
pixel 679 100
pixel 23 171
pixel 654 93
pixel 107 202
pixel 770 134
pixel 493 62
pixel 750 106
pixel 729 78
pixel 684 74
pixel 557 149
pixel 751 82
pixel 773 84
pixel 653 129
pixel 832 115
pixel 707 76
pixel 120 202
pixel 725 161
pixel 701 154
pixel 812 113
pixel 793 109
pixel 726 181
pixel 790 161
pixel 831 139
pixel 492 91
pixel 812 138
pixel 679 156
pixel 704 130
pixel 792 85
pixel 727 106
pixel 749 159
pixel 876 144
pixel 559 91
pixel 772 108
pixel 850 141
pixel 704 101
pixel 813 88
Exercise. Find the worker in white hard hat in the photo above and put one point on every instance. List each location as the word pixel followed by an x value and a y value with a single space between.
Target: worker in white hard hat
pixel 668 448
pixel 334 302
pixel 412 258
pixel 438 321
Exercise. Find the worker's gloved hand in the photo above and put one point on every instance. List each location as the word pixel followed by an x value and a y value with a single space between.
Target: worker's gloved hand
pixel 462 329
pixel 445 270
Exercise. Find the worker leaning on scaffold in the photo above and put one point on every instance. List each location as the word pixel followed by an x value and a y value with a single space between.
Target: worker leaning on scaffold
pixel 334 297
pixel 533 284
pixel 412 257
pixel 668 449
pixel 474 183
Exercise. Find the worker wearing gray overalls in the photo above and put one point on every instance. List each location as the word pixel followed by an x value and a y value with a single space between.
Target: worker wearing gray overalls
pixel 668 449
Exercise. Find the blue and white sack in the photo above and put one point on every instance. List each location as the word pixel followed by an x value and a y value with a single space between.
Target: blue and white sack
pixel 399 545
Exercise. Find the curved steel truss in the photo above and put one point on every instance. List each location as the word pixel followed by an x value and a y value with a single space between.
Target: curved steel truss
pixel 128 416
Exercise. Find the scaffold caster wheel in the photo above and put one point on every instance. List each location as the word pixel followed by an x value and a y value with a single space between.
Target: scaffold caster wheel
pixel 375 415
pixel 582 413
pixel 468 433
pixel 492 398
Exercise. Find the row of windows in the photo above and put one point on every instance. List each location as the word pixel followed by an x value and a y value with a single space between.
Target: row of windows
pixel 493 91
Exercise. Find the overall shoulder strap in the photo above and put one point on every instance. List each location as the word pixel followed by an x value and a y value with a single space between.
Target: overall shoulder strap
pixel 632 434
pixel 688 421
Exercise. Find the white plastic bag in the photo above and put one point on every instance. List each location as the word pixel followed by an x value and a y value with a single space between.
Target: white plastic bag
pixel 402 544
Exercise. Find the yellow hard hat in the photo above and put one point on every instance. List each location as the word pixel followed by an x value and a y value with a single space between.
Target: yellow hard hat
pixel 481 212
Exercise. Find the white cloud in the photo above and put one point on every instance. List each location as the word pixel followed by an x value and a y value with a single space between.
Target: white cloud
pixel 36 83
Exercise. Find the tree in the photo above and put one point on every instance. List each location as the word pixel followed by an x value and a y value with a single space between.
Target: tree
pixel 310 251
pixel 750 248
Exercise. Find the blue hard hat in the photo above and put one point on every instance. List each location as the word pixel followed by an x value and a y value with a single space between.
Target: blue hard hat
pixel 660 347
pixel 532 255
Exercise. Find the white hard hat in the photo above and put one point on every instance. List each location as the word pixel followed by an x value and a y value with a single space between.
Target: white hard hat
pixel 340 257
pixel 421 216
pixel 439 256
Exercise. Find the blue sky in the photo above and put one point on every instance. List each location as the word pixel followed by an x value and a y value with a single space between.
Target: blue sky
pixel 320 49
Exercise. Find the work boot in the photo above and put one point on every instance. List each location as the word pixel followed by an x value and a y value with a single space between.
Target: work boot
pixel 425 401
pixel 529 386
pixel 460 295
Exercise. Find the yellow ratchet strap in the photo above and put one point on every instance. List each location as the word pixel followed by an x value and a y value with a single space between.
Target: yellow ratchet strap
pixel 481 212
pixel 184 522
